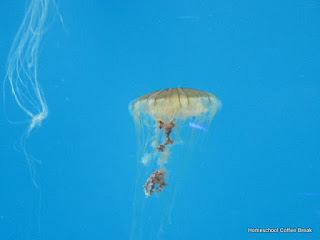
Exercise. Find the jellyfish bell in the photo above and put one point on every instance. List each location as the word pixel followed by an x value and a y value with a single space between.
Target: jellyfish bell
pixel 175 103
pixel 166 121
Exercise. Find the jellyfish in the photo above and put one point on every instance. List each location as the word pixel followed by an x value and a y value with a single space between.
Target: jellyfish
pixel 167 124
pixel 22 64
pixel 22 78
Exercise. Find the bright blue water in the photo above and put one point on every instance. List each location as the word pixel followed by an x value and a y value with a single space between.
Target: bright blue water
pixel 260 166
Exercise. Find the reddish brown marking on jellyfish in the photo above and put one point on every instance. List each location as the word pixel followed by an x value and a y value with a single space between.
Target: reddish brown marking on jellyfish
pixel 177 89
pixel 156 178
pixel 187 95
pixel 167 129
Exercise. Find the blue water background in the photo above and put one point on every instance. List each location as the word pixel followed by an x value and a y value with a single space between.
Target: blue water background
pixel 260 165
